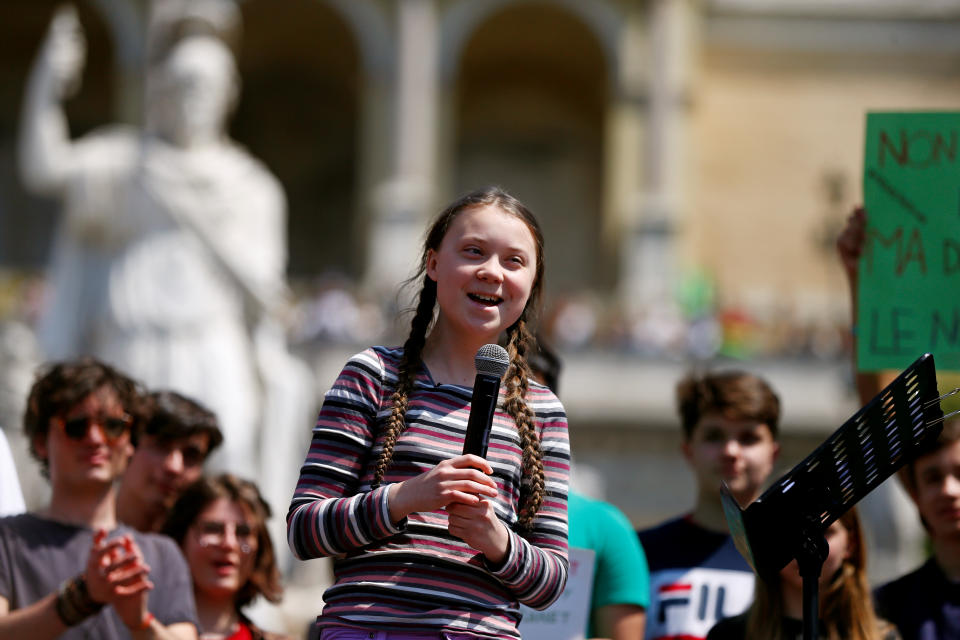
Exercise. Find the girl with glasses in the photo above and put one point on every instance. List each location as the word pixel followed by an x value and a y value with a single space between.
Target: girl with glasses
pixel 220 525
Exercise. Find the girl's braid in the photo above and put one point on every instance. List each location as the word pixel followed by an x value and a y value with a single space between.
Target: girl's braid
pixel 406 374
pixel 532 482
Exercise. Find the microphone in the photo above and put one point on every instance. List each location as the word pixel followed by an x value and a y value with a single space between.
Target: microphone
pixel 491 362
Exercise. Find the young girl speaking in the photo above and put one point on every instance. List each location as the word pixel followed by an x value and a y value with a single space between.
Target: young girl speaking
pixel 430 543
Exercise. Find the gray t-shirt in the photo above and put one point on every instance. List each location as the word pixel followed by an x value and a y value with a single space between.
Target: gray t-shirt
pixel 37 554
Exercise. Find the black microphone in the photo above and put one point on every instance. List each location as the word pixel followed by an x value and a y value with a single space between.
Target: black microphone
pixel 491 363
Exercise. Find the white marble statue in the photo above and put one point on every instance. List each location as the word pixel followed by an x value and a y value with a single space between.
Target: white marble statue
pixel 170 254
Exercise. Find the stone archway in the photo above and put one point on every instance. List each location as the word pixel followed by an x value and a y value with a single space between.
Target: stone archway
pixel 529 115
pixel 27 221
pixel 300 113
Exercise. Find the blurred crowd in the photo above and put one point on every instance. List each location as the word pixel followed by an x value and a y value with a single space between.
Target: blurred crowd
pixel 334 310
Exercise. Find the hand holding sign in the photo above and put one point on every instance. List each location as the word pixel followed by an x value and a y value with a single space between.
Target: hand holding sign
pixel 910 267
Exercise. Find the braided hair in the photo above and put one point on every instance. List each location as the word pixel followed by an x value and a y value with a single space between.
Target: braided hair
pixel 520 342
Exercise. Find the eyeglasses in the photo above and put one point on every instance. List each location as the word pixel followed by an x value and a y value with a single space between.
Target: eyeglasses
pixel 213 533
pixel 113 427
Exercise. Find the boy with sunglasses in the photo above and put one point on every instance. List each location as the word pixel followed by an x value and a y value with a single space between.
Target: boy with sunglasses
pixel 70 570
pixel 173 439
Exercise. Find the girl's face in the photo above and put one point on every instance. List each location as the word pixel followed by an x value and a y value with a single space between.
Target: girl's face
pixel 839 540
pixel 485 269
pixel 220 548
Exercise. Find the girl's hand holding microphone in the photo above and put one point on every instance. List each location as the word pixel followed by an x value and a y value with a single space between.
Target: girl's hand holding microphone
pixel 479 526
pixel 462 479
pixel 458 485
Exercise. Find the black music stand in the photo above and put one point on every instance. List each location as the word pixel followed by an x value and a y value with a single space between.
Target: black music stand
pixel 789 520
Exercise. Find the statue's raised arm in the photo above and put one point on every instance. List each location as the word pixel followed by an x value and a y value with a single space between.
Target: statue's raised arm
pixel 45 150
pixel 169 253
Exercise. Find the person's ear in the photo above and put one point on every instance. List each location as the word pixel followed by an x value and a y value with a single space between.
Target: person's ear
pixel 687 451
pixel 432 264
pixel 39 443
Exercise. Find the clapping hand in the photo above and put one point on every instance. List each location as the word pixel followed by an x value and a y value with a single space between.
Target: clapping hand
pixel 117 575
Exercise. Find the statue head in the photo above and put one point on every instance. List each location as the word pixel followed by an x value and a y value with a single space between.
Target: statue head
pixel 192 91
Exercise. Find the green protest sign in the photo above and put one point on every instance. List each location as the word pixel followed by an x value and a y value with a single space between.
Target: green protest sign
pixel 910 268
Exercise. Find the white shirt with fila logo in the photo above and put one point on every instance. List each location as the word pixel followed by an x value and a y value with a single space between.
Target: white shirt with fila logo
pixel 697 577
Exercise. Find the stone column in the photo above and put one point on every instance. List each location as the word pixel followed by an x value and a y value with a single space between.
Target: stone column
pixel 405 201
pixel 625 133
pixel 649 254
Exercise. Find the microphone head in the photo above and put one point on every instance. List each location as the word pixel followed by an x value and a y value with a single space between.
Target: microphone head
pixel 492 359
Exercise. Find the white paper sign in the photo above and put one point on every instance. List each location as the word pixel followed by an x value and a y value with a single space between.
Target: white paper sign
pixel 565 619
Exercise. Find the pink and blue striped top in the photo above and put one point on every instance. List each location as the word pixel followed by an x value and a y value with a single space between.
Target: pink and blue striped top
pixel 415 575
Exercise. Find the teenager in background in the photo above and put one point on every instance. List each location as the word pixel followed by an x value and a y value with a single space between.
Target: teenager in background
pixel 173 438
pixel 220 525
pixel 846 610
pixel 924 604
pixel 730 423
pixel 70 570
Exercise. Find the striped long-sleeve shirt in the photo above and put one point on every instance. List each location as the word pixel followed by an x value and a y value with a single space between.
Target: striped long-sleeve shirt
pixel 415 575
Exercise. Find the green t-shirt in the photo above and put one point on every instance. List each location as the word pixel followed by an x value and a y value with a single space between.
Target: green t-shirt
pixel 620 575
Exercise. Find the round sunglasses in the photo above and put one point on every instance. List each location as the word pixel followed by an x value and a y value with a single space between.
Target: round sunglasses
pixel 113 427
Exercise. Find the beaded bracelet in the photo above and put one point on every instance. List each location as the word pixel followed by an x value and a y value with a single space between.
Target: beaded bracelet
pixel 74 604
